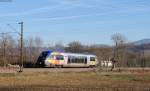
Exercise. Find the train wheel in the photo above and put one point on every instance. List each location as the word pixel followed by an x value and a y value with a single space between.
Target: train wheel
pixel 59 66
pixel 92 66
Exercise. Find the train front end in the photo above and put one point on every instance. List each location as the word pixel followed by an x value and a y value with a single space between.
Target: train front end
pixel 56 59
pixel 42 58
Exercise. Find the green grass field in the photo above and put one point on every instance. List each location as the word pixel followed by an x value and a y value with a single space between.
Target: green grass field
pixel 73 80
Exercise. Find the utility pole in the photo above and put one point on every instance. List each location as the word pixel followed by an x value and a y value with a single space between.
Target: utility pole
pixel 21 49
pixel 4 49
pixel 21 44
pixel 143 64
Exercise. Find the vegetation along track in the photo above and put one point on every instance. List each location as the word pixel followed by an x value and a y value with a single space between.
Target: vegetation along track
pixel 72 89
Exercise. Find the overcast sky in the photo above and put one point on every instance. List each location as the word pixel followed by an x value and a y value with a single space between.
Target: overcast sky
pixel 87 21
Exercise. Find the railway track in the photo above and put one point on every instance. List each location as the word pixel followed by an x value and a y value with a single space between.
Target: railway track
pixel 13 70
pixel 58 69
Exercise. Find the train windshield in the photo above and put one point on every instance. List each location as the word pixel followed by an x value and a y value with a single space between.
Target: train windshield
pixel 92 59
pixel 43 56
pixel 59 57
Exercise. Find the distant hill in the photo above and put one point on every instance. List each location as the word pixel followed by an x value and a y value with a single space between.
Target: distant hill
pixel 140 45
pixel 142 42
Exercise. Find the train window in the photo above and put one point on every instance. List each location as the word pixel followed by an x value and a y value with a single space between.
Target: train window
pixel 59 57
pixel 69 60
pixel 92 58
pixel 82 60
pixel 85 60
pixel 73 60
pixel 77 59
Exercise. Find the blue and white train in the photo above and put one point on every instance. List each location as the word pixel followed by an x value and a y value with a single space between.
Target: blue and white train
pixel 62 59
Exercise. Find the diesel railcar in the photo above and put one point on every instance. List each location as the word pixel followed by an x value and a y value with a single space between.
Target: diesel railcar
pixel 63 59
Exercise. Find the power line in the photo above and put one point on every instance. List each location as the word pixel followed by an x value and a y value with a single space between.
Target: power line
pixel 15 31
pixel 21 44
pixel 7 32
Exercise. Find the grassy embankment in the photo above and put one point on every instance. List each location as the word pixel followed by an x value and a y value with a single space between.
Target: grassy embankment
pixel 84 80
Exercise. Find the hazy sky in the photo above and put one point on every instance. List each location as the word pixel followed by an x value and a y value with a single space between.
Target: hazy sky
pixel 88 21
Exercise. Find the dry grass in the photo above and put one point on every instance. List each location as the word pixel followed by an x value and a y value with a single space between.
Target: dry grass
pixel 82 80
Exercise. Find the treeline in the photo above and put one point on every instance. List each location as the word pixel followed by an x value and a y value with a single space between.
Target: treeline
pixel 126 54
pixel 10 50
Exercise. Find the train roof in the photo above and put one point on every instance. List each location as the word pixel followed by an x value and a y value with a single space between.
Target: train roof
pixel 68 53
pixel 79 54
pixel 75 54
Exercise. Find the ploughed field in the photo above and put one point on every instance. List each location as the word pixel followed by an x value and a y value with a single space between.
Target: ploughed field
pixel 75 81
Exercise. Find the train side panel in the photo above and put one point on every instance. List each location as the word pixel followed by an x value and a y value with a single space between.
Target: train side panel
pixel 70 60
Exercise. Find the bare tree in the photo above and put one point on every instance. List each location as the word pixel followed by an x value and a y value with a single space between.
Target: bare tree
pixel 8 50
pixel 119 48
pixel 75 47
pixel 38 43
pixel 33 47
pixel 3 49
pixel 103 52
pixel 38 46
pixel 11 51
pixel 59 46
